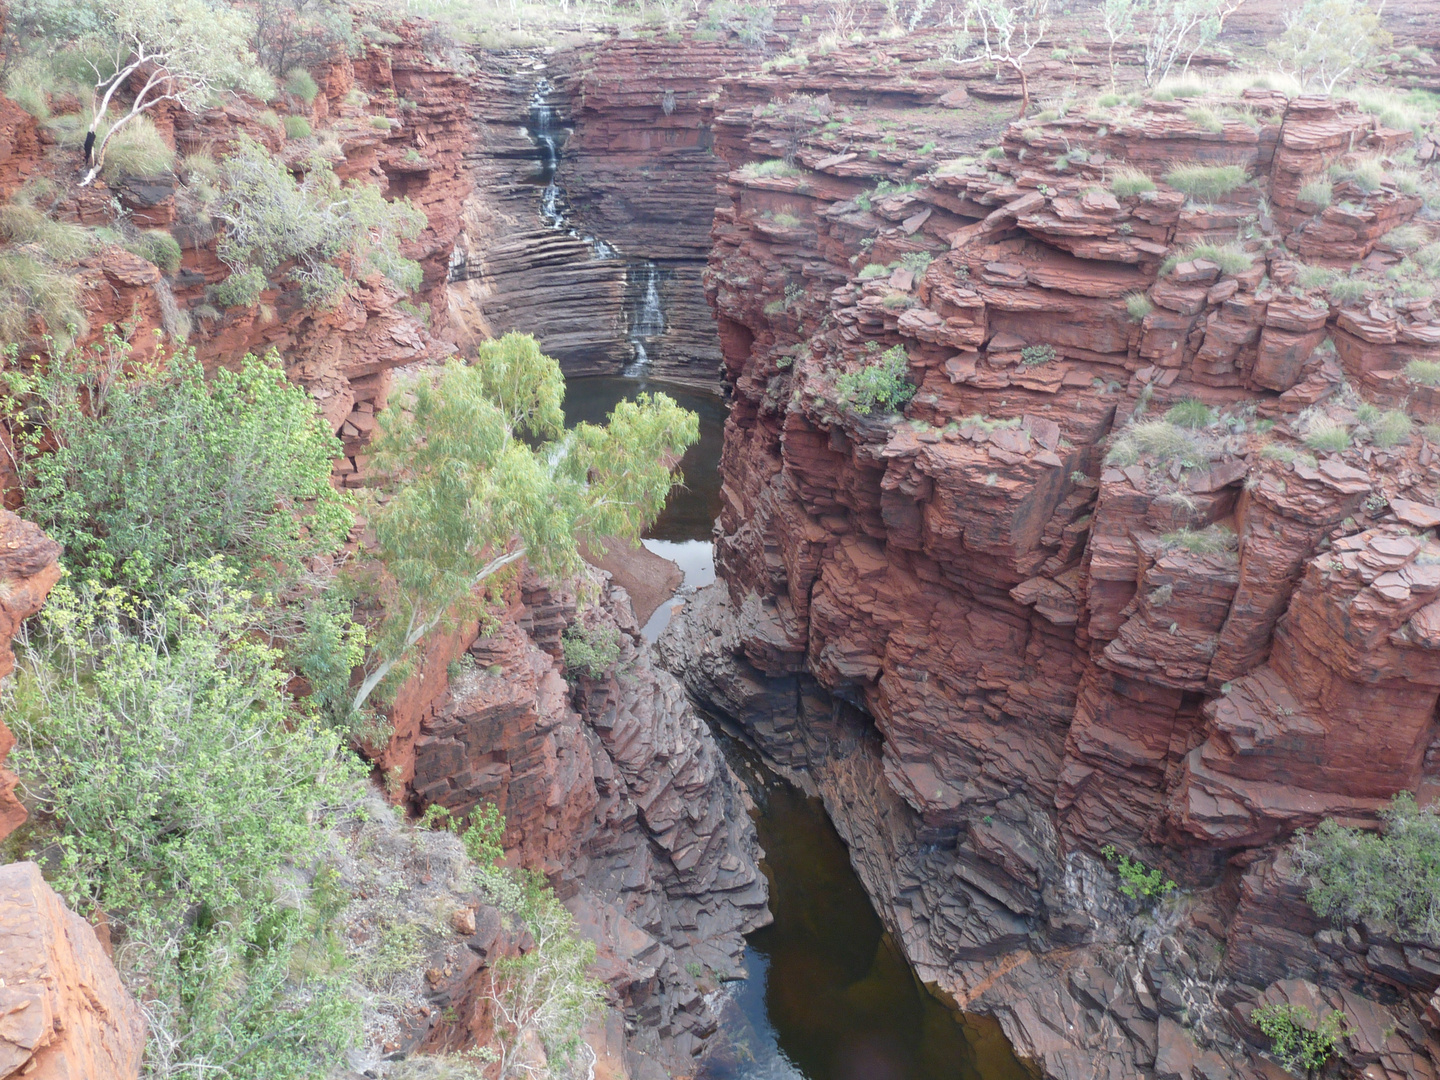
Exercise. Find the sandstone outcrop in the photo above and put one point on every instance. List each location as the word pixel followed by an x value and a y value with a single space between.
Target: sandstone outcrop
pixel 63 1011
pixel 1033 618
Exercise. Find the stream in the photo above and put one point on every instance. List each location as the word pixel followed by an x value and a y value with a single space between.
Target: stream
pixel 829 994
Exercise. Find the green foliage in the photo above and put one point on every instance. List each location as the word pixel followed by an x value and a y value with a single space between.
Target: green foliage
pixel 1326 435
pixel 1156 440
pixel 883 384
pixel 1390 878
pixel 1318 191
pixel 1406 238
pixel 272 218
pixel 1297 1041
pixel 1206 183
pixel 1348 290
pixel 302 84
pixel 175 780
pixel 480 472
pixel 1190 413
pixel 754 170
pixel 1205 119
pixel 1326 40
pixel 873 272
pixel 917 262
pixel 1209 541
pixel 1424 372
pixel 140 469
pixel 750 23
pixel 159 247
pixel 137 150
pixel 380 123
pixel 34 294
pixel 1231 258
pixel 1136 880
pixel 591 650
pixel 1391 429
pixel 1138 305
pixel 1366 173
pixel 1037 355
pixel 297 127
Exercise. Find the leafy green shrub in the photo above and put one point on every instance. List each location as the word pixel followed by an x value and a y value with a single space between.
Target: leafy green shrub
pixel 593 651
pixel 297 127
pixel 273 218
pixel 917 262
pixel 1190 413
pixel 1126 180
pixel 1390 878
pixel 137 150
pixel 302 84
pixel 1297 1041
pixel 873 271
pixel 1036 355
pixel 1318 191
pixel 1206 183
pixel 1136 880
pixel 884 384
pixel 1138 305
pixel 1326 435
pixel 175 780
pixel 167 468
pixel 1425 372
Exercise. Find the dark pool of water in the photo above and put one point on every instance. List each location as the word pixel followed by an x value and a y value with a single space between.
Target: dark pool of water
pixel 690 514
pixel 830 996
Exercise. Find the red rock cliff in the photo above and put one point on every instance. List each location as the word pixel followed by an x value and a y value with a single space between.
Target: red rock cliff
pixel 1010 627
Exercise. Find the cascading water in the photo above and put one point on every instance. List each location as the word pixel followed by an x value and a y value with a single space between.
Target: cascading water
pixel 542 121
pixel 647 321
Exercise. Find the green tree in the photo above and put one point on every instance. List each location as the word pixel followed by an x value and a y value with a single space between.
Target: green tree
pixel 313 223
pixel 479 471
pixel 1298 1041
pixel 175 781
pixel 181 50
pixel 884 384
pixel 1326 40
pixel 140 469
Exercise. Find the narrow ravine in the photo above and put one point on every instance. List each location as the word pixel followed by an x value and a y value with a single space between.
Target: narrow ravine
pixel 829 996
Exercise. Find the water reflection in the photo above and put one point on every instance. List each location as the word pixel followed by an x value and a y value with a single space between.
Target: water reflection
pixel 830 996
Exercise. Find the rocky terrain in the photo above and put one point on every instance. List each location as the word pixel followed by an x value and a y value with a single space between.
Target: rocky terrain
pixel 1035 617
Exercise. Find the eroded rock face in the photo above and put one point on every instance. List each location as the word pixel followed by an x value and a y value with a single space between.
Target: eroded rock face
pixel 29 567
pixel 612 787
pixel 63 1011
pixel 994 646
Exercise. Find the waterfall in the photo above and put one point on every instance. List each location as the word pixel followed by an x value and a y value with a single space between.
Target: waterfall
pixel 647 321
pixel 542 117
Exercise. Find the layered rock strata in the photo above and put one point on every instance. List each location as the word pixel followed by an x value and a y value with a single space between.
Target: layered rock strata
pixel 1033 618
pixel 611 786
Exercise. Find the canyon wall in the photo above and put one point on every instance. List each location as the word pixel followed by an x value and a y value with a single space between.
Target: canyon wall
pixel 1033 619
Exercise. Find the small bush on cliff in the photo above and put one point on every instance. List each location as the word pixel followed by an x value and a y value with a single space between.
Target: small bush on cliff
pixel 1138 305
pixel 1390 878
pixel 884 384
pixel 1317 191
pixel 137 150
pixel 1424 372
pixel 302 84
pixel 316 224
pixel 481 472
pixel 140 469
pixel 592 650
pixel 1298 1041
pixel 1206 183
pixel 1190 413
pixel 297 127
pixel 1136 880
pixel 1156 440
pixel 753 170
pixel 1326 435
pixel 34 295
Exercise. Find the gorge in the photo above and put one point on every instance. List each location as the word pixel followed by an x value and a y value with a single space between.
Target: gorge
pixel 1140 578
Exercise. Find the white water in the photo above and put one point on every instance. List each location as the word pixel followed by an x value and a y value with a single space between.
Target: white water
pixel 648 321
